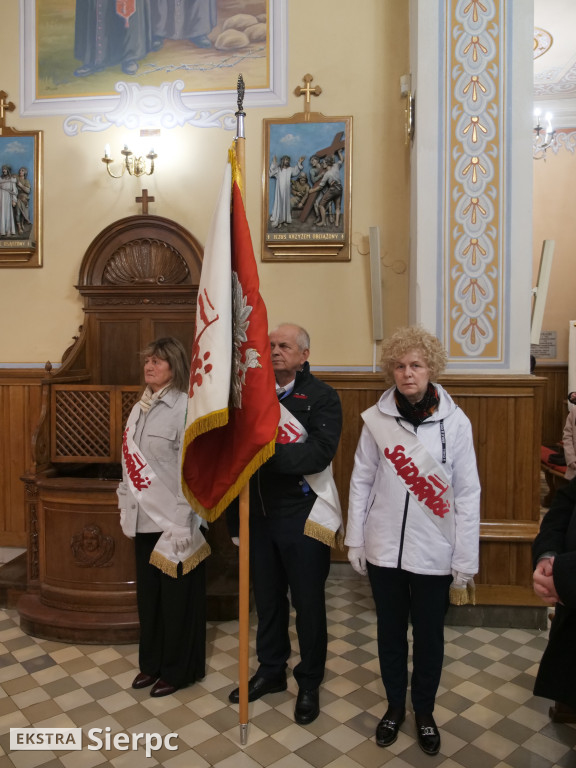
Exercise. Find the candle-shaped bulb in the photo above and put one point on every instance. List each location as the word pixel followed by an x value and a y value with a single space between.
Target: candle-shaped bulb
pixel 107 150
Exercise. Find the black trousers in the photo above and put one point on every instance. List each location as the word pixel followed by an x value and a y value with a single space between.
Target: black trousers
pixel 172 616
pixel 401 596
pixel 284 559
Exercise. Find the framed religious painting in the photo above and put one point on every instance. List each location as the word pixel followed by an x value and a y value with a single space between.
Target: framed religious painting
pixel 104 63
pixel 20 198
pixel 307 172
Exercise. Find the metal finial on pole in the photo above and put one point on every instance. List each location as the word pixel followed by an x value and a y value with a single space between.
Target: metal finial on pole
pixel 240 115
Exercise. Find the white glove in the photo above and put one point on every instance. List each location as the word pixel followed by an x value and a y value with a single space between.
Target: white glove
pixel 197 522
pixel 180 536
pixel 462 580
pixel 357 557
pixel 236 541
pixel 462 589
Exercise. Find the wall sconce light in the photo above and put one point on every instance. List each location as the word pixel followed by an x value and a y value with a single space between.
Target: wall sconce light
pixel 406 91
pixel 133 164
pixel 543 139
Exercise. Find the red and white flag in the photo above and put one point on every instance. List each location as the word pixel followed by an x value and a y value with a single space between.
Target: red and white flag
pixel 233 411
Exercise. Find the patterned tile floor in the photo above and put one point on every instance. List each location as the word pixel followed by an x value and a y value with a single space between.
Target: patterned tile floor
pixel 485 708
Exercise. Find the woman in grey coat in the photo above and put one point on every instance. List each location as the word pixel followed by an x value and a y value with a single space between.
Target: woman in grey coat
pixel 169 545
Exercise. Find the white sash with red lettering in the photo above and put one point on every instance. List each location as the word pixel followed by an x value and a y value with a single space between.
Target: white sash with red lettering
pixel 325 519
pixel 418 471
pixel 155 497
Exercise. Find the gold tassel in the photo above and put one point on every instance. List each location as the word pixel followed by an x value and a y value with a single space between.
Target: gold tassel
pixel 463 595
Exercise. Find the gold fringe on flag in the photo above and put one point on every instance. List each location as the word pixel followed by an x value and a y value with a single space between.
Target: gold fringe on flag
pixel 214 513
pixel 236 171
pixel 205 424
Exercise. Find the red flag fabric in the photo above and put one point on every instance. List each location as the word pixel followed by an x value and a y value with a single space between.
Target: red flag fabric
pixel 233 410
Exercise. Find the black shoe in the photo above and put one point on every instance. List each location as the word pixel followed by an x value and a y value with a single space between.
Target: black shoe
pixel 142 680
pixel 387 728
pixel 161 688
pixel 428 735
pixel 259 686
pixel 307 706
pixel 130 67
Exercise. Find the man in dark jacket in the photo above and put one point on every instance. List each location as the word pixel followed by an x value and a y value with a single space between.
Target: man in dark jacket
pixel 285 551
pixel 554 553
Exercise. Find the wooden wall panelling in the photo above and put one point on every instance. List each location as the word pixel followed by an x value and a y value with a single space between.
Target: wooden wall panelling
pixel 506 420
pixel 20 402
pixel 114 355
pixel 181 330
pixel 554 410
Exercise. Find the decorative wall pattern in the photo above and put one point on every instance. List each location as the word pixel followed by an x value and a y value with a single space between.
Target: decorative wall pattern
pixel 474 177
pixel 564 140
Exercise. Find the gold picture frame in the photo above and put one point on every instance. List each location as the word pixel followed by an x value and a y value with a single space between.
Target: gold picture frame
pixel 307 172
pixel 20 195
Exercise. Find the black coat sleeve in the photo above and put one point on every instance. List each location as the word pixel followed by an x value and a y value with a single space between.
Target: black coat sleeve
pixel 556 523
pixel 564 575
pixel 324 426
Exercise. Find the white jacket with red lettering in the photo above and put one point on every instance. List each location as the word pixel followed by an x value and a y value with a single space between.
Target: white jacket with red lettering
pixel 388 522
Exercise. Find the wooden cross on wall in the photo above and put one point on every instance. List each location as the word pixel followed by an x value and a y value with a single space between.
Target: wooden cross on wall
pixel 145 198
pixel 5 106
pixel 307 91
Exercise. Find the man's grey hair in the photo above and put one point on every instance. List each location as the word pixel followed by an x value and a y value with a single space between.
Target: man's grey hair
pixel 302 336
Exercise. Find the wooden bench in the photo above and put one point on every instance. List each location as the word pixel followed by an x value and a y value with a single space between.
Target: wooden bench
pixel 554 474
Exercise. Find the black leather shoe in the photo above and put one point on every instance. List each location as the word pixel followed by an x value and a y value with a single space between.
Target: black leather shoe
pixel 142 680
pixel 428 735
pixel 162 689
pixel 307 706
pixel 259 686
pixel 387 728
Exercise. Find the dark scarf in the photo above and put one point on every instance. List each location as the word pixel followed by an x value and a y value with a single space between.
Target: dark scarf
pixel 416 413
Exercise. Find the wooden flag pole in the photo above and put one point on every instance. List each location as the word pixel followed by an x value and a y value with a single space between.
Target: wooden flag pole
pixel 244 612
pixel 244 553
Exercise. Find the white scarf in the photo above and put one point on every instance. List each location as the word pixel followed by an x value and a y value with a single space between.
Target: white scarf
pixel 418 471
pixel 324 522
pixel 148 397
pixel 155 497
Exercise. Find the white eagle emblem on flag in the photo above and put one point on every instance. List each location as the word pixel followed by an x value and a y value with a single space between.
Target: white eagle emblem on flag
pixel 241 311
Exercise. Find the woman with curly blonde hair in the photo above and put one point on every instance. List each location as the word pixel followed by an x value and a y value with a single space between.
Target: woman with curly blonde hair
pixel 413 523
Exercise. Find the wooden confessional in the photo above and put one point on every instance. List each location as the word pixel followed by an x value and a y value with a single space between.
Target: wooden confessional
pixel 139 281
